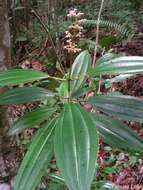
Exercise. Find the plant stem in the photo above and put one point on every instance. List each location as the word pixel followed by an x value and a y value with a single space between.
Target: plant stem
pixel 49 35
pixel 69 79
pixel 56 78
pixel 97 33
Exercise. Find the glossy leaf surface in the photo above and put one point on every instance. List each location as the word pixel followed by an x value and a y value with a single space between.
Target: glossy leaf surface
pixel 126 107
pixel 31 119
pixel 79 70
pixel 20 76
pixel 76 147
pixel 36 160
pixel 120 65
pixel 24 95
pixel 117 134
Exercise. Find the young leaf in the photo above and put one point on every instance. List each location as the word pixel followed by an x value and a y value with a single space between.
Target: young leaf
pixel 120 65
pixel 24 95
pixel 63 90
pixel 79 70
pixel 31 119
pixel 37 159
pixel 117 134
pixel 125 107
pixel 20 76
pixel 76 147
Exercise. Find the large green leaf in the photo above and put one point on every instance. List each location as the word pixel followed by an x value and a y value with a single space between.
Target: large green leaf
pixel 117 134
pixel 76 147
pixel 126 107
pixel 37 159
pixel 24 95
pixel 120 65
pixel 31 119
pixel 18 76
pixel 79 70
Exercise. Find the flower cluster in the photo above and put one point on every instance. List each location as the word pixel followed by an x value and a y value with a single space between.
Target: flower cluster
pixel 74 33
pixel 74 13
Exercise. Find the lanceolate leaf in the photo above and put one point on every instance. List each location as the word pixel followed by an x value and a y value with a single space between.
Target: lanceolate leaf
pixel 24 95
pixel 120 65
pixel 31 119
pixel 126 107
pixel 37 159
pixel 117 134
pixel 18 76
pixel 76 147
pixel 79 70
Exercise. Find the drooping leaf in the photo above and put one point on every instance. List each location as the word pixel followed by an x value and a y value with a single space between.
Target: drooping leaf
pixel 76 147
pixel 125 107
pixel 31 119
pixel 117 134
pixel 120 65
pixel 36 160
pixel 20 76
pixel 79 70
pixel 24 95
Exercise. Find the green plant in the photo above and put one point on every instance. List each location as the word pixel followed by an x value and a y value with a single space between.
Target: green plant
pixel 72 134
pixel 79 112
pixel 123 30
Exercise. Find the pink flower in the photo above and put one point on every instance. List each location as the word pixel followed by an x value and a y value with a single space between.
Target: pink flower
pixel 74 13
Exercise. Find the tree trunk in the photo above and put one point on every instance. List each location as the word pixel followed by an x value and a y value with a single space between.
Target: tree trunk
pixel 7 150
pixel 4 63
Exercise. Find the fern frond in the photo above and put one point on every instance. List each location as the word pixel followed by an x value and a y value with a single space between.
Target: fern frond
pixel 123 30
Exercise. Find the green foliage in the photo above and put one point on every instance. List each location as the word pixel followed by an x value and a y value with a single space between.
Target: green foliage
pixel 74 131
pixel 77 157
pixel 124 31
pixel 72 135
pixel 18 76
pixel 31 119
pixel 117 134
pixel 24 95
pixel 37 159
pixel 119 65
pixel 79 70
pixel 114 105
